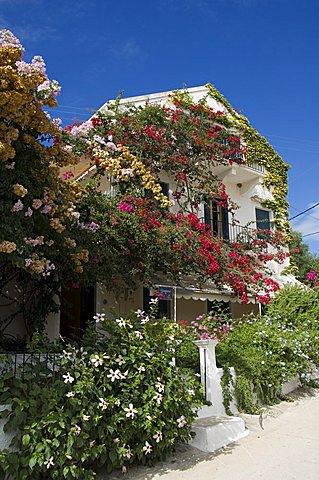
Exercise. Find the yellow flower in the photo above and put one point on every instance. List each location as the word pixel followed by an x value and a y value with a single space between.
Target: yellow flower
pixel 7 247
pixel 38 266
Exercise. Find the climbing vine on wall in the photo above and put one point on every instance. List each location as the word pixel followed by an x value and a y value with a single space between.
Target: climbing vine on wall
pixel 258 150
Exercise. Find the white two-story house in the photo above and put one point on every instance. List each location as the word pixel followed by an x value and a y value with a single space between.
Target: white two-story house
pixel 249 187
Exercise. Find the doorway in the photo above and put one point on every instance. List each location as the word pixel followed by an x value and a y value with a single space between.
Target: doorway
pixel 77 308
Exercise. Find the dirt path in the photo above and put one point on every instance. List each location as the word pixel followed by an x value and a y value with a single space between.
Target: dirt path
pixel 286 449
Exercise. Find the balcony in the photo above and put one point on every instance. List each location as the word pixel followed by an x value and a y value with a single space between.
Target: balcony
pixel 241 234
pixel 252 173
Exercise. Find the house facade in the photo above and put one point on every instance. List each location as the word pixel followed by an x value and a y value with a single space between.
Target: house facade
pixel 256 183
pixel 249 186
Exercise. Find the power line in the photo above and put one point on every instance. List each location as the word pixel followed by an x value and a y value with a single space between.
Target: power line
pixel 297 209
pixel 89 109
pixel 304 211
pixel 291 139
pixel 309 234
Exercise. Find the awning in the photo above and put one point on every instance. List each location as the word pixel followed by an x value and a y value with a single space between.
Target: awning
pixel 203 294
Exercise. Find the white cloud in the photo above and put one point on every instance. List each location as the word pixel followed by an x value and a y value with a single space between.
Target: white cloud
pixel 128 50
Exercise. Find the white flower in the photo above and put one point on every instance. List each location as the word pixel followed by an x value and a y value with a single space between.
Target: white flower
pixel 103 404
pixel 139 334
pixel 158 436
pixel 124 375
pixel 68 378
pixel 147 448
pixel 191 392
pixel 117 403
pixel 158 397
pixel 99 139
pixel 99 317
pixel 149 355
pixel 141 369
pixel 127 171
pixel 111 146
pixel 70 394
pixel 57 122
pixel 140 313
pixel 121 322
pixel 96 361
pixel 153 301
pixel 77 429
pixel 130 411
pixel 92 444
pixel 86 417
pixel 114 375
pixel 10 166
pixel 67 355
pixel 181 422
pixel 49 462
pixel 120 360
pixel 160 387
pixel 145 320
pixel 129 453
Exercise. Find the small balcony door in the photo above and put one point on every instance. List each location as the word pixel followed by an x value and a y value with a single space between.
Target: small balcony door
pixel 216 216
pixel 262 222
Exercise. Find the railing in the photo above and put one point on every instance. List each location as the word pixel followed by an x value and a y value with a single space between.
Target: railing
pixel 255 166
pixel 22 365
pixel 241 234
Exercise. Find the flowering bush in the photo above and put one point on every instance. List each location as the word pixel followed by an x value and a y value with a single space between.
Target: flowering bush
pixel 132 145
pixel 311 279
pixel 210 326
pixel 38 209
pixel 270 350
pixel 115 401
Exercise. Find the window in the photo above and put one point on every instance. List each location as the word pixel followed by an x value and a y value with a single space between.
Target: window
pixel 216 307
pixel 262 222
pixel 164 306
pixel 216 216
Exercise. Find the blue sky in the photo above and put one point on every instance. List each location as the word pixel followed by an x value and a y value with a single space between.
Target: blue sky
pixel 261 54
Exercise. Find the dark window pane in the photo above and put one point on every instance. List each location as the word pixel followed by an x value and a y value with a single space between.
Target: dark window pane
pixel 262 222
pixel 216 217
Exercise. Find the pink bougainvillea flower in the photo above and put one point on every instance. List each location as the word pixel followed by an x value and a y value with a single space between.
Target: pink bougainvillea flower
pixel 125 207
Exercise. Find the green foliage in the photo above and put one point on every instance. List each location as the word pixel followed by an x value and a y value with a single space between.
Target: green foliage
pixel 210 325
pixel 260 151
pixel 116 400
pixel 301 258
pixel 268 351
pixel 227 385
pixel 187 354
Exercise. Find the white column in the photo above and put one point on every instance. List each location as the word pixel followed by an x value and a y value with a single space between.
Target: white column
pixel 210 375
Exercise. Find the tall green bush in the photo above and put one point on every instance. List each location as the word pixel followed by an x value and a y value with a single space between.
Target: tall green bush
pixel 116 400
pixel 268 351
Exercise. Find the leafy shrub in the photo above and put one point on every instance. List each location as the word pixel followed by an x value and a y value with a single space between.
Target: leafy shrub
pixel 266 352
pixel 209 326
pixel 116 400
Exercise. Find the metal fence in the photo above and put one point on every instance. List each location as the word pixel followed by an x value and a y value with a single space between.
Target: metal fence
pixel 29 365
pixel 241 234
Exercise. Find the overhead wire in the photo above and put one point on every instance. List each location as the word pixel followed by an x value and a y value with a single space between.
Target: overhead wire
pixel 309 234
pixel 304 211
